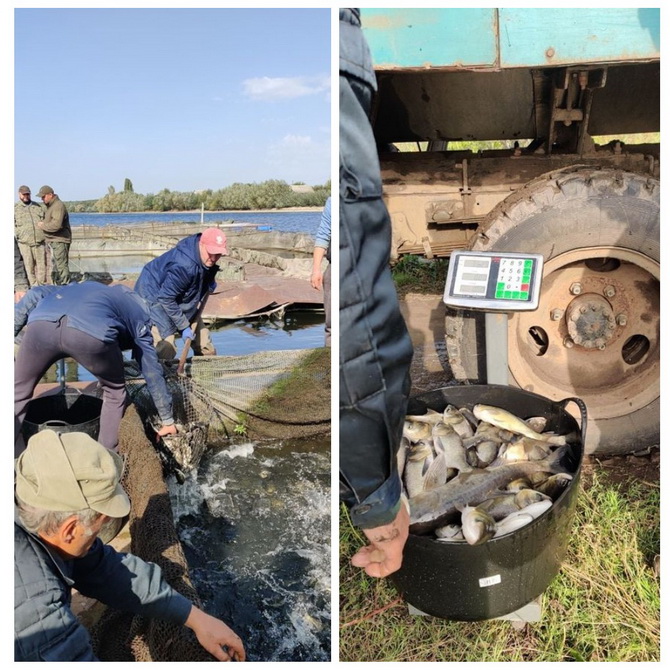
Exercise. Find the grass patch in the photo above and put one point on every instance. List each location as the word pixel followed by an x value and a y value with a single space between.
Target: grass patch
pixel 604 605
pixel 415 274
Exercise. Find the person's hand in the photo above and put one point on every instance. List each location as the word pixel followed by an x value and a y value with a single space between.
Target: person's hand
pixel 170 429
pixel 18 295
pixel 316 280
pixel 384 553
pixel 188 333
pixel 214 636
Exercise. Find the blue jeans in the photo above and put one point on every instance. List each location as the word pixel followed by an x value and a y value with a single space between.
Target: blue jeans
pixel 375 347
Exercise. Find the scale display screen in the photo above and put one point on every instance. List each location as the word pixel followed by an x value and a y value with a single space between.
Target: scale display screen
pixel 493 281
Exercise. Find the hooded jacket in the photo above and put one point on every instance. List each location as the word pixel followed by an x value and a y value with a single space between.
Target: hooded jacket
pixel 173 284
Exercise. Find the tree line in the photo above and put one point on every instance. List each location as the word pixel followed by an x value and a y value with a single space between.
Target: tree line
pixel 271 194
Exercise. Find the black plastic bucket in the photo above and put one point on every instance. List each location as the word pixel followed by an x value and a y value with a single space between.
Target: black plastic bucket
pixel 462 582
pixel 63 412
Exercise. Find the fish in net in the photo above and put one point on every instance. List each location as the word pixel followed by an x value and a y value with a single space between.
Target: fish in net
pixel 266 394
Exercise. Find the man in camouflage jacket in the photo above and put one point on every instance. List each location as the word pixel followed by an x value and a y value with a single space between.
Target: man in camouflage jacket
pixel 30 237
pixel 56 227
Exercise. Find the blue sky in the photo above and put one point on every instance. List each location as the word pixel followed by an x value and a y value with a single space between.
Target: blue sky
pixel 184 99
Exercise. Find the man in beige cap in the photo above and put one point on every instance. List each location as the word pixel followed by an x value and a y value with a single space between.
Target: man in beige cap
pixel 30 237
pixel 67 491
pixel 56 227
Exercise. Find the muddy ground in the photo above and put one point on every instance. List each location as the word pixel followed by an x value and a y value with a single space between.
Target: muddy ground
pixel 425 317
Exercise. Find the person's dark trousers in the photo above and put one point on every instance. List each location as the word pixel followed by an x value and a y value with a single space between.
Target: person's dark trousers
pixel 44 343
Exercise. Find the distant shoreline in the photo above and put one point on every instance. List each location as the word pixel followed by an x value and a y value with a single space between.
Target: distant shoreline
pixel 214 211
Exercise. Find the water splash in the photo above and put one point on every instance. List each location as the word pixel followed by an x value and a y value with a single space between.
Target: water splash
pixel 255 526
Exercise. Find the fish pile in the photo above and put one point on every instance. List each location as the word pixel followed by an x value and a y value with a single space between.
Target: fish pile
pixel 471 475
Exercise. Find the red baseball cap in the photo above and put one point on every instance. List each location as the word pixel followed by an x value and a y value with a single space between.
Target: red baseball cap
pixel 214 241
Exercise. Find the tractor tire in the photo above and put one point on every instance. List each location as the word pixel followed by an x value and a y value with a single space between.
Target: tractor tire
pixel 596 332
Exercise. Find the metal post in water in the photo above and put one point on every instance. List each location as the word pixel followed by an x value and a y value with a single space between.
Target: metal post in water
pixel 202 213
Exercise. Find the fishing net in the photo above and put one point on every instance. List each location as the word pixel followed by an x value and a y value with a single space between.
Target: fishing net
pixel 267 394
pixel 121 636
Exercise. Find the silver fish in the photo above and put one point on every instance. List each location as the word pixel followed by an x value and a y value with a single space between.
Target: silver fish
pixel 415 467
pixel 512 523
pixel 519 484
pixel 555 485
pixel 471 418
pixel 452 533
pixel 537 508
pixel 525 449
pixel 487 451
pixel 478 526
pixel 500 506
pixel 486 430
pixel 436 475
pixel 401 456
pixel 415 431
pixel 504 419
pixel 439 506
pixel 454 418
pixel 431 416
pixel 537 423
pixel 447 440
pixel 527 497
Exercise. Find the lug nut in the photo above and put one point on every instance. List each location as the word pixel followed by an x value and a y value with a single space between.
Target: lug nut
pixel 556 314
pixel 576 288
pixel 621 319
pixel 609 291
pixel 568 342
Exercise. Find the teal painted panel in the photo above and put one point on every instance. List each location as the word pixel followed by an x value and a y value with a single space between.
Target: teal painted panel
pixel 530 37
pixel 430 37
pixel 417 38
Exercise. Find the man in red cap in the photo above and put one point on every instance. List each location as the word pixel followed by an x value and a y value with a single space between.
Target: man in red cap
pixel 174 285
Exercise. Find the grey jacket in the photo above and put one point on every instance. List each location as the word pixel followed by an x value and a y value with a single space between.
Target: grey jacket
pixel 46 628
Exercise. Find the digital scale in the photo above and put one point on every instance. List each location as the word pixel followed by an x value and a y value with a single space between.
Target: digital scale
pixel 496 283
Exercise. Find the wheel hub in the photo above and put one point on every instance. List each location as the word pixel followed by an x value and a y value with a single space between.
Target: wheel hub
pixel 590 321
pixel 595 334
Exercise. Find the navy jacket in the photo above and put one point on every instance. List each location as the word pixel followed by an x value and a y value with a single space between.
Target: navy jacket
pixel 375 347
pixel 173 284
pixel 46 629
pixel 108 313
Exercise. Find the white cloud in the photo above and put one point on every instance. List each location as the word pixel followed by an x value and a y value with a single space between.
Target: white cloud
pixel 285 88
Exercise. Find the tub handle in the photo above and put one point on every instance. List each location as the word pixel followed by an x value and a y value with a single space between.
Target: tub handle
pixel 582 410
pixel 53 422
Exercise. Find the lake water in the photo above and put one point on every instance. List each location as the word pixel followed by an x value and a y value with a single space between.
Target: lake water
pixel 292 222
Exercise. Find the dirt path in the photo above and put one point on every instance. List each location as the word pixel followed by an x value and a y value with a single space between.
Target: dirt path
pixel 424 315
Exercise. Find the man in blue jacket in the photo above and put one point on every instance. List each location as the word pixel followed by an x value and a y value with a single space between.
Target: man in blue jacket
pixel 92 323
pixel 173 286
pixel 67 489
